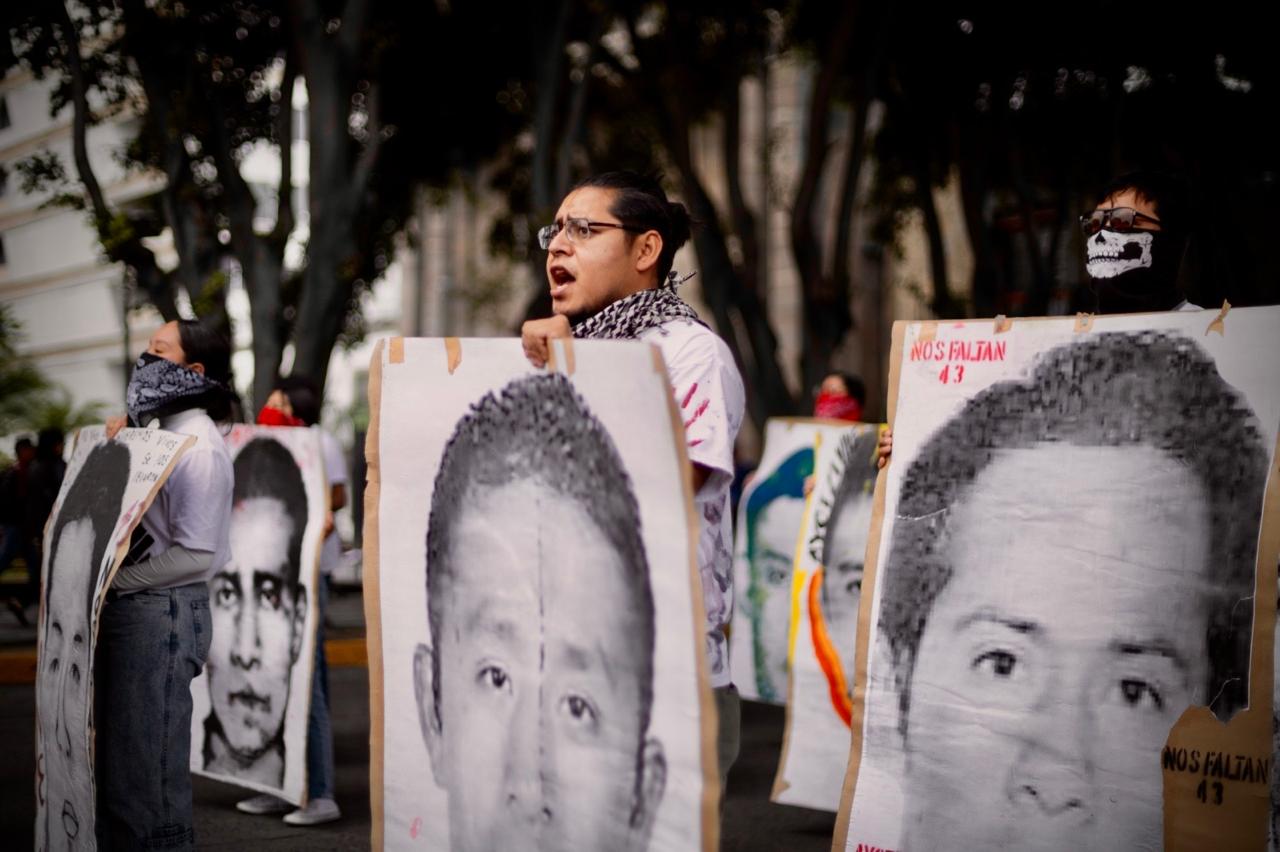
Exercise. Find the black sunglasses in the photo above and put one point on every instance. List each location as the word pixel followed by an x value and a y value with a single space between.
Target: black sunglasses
pixel 1118 219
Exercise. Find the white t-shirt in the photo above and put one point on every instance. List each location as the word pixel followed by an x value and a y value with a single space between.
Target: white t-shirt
pixel 710 396
pixel 193 507
pixel 335 470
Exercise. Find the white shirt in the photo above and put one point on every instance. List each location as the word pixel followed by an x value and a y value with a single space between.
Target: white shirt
pixel 710 396
pixel 193 508
pixel 335 470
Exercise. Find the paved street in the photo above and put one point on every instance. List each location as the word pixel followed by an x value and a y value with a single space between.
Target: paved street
pixel 751 821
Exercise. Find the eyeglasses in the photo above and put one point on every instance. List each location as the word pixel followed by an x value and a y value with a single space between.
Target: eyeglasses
pixel 577 230
pixel 1118 219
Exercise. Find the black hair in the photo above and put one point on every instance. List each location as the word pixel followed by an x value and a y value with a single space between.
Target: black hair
pixel 202 343
pixel 1119 389
pixel 48 442
pixel 96 493
pixel 304 397
pixel 538 428
pixel 640 202
pixel 857 455
pixel 264 467
pixel 854 386
pixel 23 443
pixel 1167 193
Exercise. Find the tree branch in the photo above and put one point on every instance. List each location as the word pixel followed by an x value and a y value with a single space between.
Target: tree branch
pixel 284 138
pixel 80 119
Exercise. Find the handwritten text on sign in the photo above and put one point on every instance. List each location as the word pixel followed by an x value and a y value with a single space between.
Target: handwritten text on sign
pixel 955 354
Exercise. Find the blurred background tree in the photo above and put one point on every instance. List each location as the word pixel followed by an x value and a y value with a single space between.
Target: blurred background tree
pixel 1021 114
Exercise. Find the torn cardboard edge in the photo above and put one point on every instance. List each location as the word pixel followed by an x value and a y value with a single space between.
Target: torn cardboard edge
pixel 709 720
pixel 373 592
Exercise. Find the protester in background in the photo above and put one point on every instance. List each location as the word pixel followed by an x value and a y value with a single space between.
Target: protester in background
pixel 841 397
pixel 155 628
pixel 15 534
pixel 296 402
pixel 609 256
pixel 1135 243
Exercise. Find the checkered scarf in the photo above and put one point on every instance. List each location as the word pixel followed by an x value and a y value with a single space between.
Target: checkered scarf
pixel 631 316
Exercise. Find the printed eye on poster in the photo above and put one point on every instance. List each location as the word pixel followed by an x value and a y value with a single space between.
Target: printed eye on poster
pixel 250 705
pixel 537 664
pixel 1067 635
pixel 827 592
pixel 770 515
pixel 106 490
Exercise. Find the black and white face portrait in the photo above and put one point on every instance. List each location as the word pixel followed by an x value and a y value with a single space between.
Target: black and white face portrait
pixel 535 689
pixel 81 534
pixel 259 610
pixel 1037 676
pixel 1111 253
pixel 845 544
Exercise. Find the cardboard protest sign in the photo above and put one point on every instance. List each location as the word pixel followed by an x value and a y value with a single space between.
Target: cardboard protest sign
pixel 770 515
pixel 537 669
pixel 828 583
pixel 250 705
pixel 1068 638
pixel 107 488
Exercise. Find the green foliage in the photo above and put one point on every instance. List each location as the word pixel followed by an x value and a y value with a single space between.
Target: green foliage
pixel 57 409
pixel 21 384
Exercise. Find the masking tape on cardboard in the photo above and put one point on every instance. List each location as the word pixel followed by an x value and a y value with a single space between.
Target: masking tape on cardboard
pixel 395 353
pixel 1218 323
pixel 1003 324
pixel 453 353
pixel 928 331
pixel 1084 322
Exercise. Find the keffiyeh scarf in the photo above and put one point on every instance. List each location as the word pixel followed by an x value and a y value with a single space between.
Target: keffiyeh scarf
pixel 631 316
pixel 159 387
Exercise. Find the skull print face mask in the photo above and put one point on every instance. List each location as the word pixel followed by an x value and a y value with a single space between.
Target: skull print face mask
pixel 1135 271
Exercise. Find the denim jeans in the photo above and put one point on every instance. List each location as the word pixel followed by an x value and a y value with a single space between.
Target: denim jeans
pixel 150 646
pixel 319 731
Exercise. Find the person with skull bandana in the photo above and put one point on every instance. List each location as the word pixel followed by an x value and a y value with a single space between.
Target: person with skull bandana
pixel 1135 240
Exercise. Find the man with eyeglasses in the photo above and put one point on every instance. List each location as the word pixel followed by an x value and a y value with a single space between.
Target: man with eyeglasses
pixel 1135 240
pixel 609 256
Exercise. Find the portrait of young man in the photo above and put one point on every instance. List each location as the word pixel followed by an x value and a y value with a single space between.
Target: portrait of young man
pixel 535 686
pixel 1063 580
pixel 258 606
pixel 774 513
pixel 80 537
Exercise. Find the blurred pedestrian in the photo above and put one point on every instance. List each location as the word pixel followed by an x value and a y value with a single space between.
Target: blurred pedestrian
pixel 15 533
pixel 841 396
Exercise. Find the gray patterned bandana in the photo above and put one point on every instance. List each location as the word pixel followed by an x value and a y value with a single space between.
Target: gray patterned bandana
pixel 159 387
pixel 631 316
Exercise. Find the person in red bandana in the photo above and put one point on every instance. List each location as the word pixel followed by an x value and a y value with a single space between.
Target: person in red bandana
pixel 841 396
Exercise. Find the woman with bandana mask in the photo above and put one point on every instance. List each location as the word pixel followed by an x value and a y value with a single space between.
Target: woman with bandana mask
pixel 154 631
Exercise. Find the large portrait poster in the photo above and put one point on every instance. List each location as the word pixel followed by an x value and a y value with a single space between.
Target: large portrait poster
pixel 107 488
pixel 537 669
pixel 250 704
pixel 1068 640
pixel 770 515
pixel 828 583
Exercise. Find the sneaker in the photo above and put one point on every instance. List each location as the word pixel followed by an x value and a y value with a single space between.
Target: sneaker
pixel 264 803
pixel 315 812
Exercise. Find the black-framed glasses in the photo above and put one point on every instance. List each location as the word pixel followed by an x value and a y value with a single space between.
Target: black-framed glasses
pixel 577 230
pixel 1118 219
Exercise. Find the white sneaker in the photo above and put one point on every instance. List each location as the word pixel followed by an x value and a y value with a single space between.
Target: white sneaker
pixel 315 812
pixel 263 803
